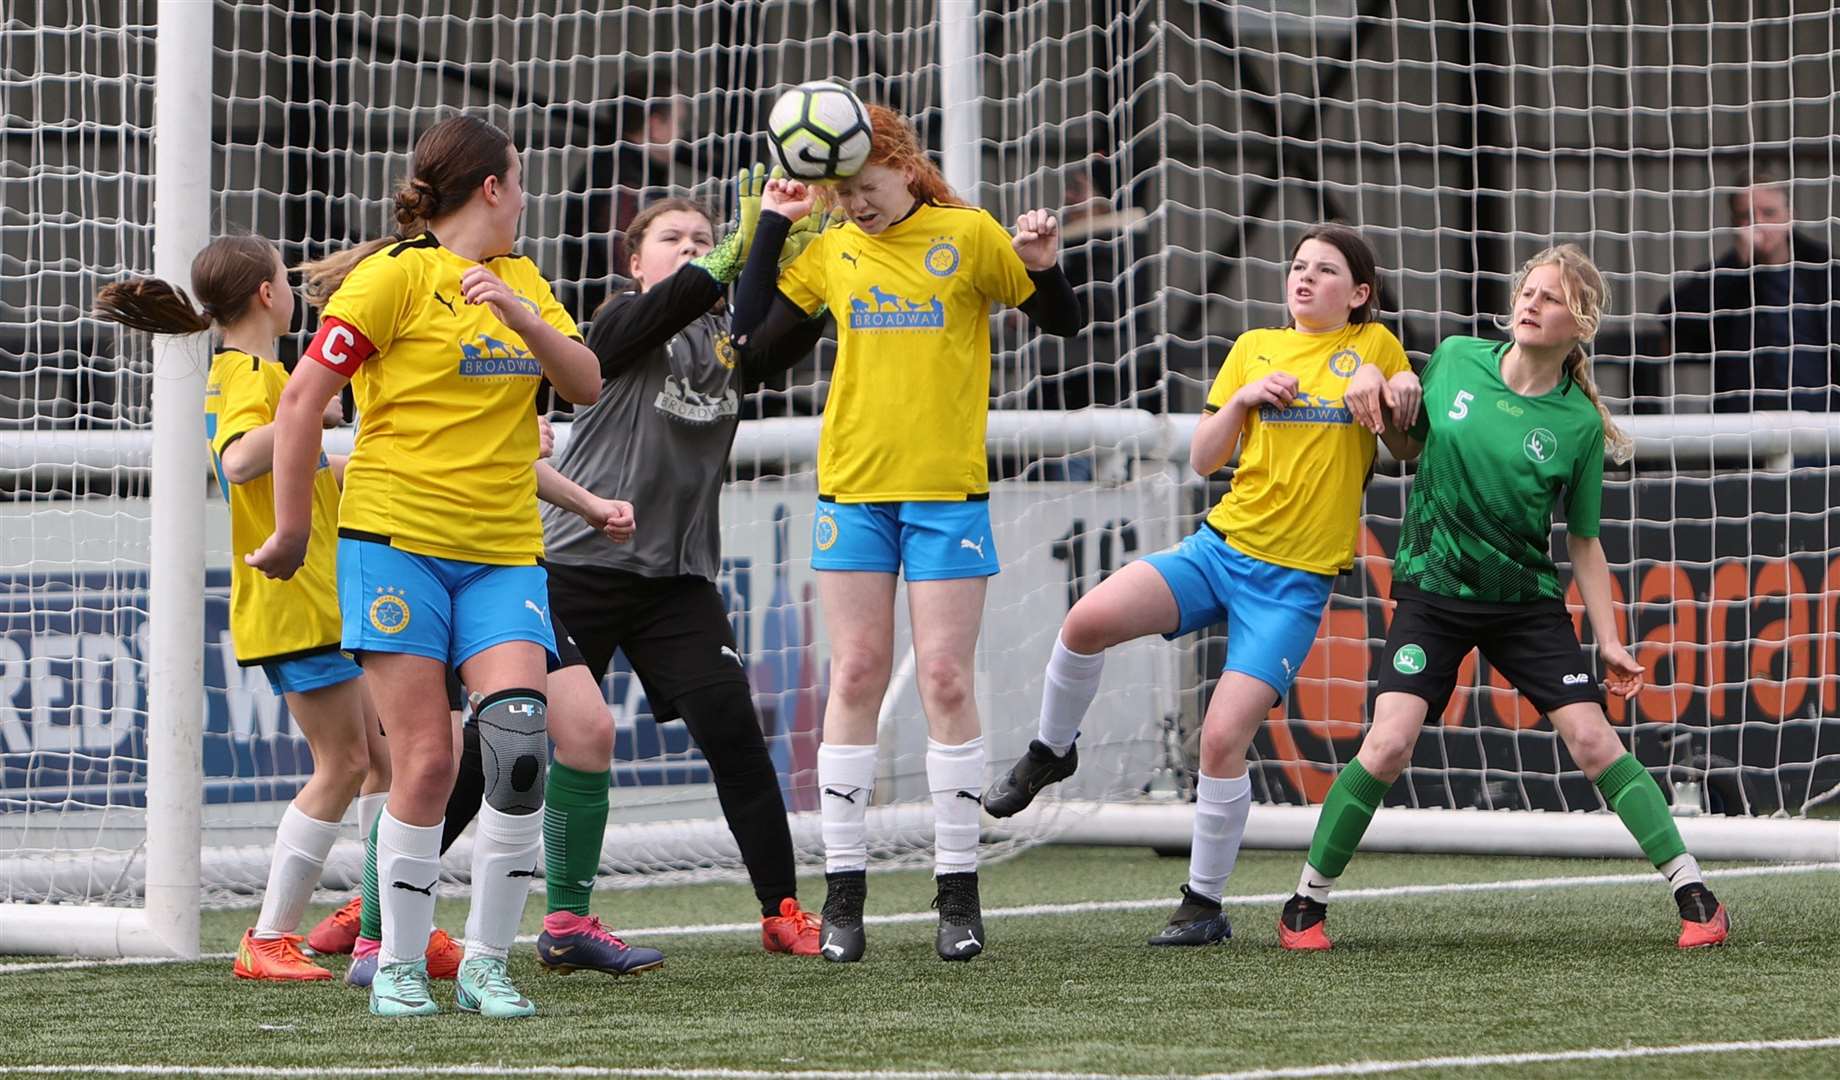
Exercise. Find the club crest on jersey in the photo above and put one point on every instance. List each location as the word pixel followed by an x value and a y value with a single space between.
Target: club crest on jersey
pixel 390 612
pixel 694 407
pixel 884 310
pixel 725 351
pixel 1540 445
pixel 486 356
pixel 1409 660
pixel 824 532
pixel 1307 408
pixel 942 258
pixel 1345 362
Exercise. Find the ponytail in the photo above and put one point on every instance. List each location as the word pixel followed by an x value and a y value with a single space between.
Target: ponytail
pixel 226 275
pixel 1617 442
pixel 151 305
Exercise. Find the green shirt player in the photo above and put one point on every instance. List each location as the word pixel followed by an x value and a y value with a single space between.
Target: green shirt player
pixel 1507 431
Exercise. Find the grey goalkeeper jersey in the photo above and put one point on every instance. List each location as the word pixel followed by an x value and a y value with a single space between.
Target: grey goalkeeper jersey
pixel 660 433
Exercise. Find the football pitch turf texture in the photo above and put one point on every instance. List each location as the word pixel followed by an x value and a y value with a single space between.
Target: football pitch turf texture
pixel 1477 975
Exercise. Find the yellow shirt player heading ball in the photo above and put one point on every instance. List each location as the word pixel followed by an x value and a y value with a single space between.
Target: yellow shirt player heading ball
pixel 903 485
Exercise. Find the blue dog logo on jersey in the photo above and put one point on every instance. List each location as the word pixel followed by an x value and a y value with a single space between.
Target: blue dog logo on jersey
pixel 1307 408
pixel 887 311
pixel 486 355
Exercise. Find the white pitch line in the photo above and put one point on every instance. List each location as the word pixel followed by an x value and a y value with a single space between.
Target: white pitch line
pixel 78 965
pixel 1297 1072
pixel 1082 908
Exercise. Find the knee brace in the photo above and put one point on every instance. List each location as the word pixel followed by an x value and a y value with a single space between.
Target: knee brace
pixel 514 749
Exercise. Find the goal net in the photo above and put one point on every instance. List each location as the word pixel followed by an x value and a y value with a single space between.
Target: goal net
pixel 1186 145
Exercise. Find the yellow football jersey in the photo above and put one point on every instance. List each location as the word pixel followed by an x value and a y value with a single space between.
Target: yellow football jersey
pixel 1296 497
pixel 444 461
pixel 911 391
pixel 270 619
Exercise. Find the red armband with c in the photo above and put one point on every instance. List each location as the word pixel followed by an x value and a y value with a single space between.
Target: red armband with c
pixel 340 346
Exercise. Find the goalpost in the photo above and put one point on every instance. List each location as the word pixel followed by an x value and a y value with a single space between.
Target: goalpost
pixel 142 771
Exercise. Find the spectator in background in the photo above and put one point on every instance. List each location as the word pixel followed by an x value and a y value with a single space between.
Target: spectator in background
pixel 1112 362
pixel 648 159
pixel 1764 314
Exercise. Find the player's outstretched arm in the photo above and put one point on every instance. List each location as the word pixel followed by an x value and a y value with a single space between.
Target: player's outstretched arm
pixel 297 426
pixel 763 314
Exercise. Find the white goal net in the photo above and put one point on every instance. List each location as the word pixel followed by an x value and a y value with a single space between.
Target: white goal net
pixel 1186 144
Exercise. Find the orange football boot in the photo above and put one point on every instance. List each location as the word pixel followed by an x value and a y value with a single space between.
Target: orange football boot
pixel 1699 935
pixel 794 930
pixel 338 932
pixel 275 960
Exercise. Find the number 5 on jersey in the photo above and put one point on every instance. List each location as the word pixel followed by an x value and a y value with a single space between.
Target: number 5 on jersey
pixel 1460 407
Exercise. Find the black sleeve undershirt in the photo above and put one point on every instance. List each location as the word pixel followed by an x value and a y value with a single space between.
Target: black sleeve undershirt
pixel 763 314
pixel 1054 309
pixel 632 324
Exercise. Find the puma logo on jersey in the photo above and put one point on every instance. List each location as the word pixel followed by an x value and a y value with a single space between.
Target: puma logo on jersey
pixel 445 302
pixel 541 614
pixel 1286 661
pixel 969 546
pixel 848 257
pixel 732 655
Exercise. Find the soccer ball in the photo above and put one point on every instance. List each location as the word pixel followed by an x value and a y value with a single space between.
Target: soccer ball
pixel 820 131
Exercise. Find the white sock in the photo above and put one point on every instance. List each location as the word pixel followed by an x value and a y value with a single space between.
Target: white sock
pixel 846 779
pixel 1067 691
pixel 1315 884
pixel 408 869
pixel 1221 803
pixel 1681 870
pixel 369 806
pixel 301 844
pixel 504 865
pixel 955 776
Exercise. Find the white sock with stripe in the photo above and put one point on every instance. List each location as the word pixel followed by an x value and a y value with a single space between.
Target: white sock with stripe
pixel 846 780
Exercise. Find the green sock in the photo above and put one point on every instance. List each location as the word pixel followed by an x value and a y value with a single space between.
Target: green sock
pixel 370 923
pixel 1345 815
pixel 574 821
pixel 1637 799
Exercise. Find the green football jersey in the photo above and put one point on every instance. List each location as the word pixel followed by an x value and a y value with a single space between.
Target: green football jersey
pixel 1478 524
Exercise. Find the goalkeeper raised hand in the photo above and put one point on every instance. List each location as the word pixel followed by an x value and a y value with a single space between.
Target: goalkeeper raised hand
pixel 725 260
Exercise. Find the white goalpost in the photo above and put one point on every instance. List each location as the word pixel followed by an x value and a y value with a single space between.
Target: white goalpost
pixel 142 771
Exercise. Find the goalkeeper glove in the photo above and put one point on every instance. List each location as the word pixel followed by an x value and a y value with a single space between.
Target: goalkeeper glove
pixel 804 231
pixel 724 261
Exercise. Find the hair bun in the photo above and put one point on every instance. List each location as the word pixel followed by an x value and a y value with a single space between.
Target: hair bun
pixel 415 202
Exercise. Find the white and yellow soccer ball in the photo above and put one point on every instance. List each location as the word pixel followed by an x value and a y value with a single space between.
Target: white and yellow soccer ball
pixel 820 131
